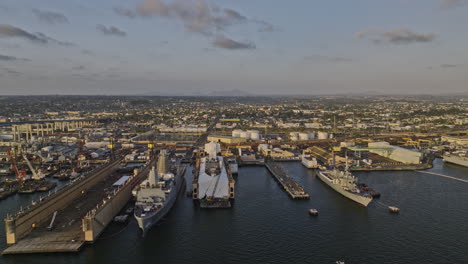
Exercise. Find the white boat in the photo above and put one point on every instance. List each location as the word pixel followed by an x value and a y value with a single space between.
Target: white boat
pixel 308 161
pixel 345 184
pixel 458 158
pixel 233 167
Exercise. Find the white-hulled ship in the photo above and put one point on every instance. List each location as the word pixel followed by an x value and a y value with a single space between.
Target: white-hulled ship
pixel 157 194
pixel 346 184
pixel 458 158
pixel 308 161
pixel 212 185
pixel 232 163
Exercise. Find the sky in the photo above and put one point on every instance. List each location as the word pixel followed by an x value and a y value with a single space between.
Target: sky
pixel 236 47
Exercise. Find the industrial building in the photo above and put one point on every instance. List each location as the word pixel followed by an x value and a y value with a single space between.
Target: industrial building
pixel 399 154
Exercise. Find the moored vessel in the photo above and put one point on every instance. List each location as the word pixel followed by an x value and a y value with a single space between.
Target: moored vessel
pixel 308 161
pixel 458 158
pixel 345 184
pixel 158 193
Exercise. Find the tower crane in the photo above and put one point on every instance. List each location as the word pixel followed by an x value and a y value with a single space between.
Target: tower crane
pixel 20 175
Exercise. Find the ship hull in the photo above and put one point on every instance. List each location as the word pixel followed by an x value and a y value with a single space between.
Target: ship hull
pixel 145 223
pixel 354 197
pixel 461 161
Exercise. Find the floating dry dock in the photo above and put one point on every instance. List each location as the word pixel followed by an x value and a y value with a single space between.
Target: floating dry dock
pixel 294 190
pixel 72 216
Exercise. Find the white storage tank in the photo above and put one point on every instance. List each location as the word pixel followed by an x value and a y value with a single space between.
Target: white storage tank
pixel 294 134
pixel 322 135
pixel 254 134
pixel 303 136
pixel 245 134
pixel 236 133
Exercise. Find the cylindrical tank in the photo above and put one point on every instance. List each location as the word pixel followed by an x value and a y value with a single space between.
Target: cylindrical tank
pixel 294 134
pixel 331 136
pixel 245 134
pixel 254 134
pixel 303 136
pixel 312 135
pixel 322 135
pixel 236 133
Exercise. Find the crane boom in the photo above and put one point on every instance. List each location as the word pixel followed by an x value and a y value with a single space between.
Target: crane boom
pixel 33 171
pixel 19 174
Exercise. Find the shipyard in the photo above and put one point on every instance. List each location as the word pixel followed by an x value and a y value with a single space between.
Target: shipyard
pixel 106 172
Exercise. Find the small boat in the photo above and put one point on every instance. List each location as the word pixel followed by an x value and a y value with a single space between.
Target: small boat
pixel 313 212
pixel 393 209
pixel 121 218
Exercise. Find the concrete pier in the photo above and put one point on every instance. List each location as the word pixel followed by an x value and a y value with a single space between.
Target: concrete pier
pixel 27 232
pixel 294 190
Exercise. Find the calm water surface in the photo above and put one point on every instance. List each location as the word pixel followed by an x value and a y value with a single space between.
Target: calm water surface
pixel 265 226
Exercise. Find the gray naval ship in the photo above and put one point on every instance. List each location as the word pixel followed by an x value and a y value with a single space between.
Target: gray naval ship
pixel 158 193
pixel 346 184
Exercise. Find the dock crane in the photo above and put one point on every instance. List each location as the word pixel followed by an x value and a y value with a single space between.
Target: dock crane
pixel 20 175
pixel 35 175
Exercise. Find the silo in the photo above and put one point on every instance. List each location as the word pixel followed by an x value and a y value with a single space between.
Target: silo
pixel 236 133
pixel 245 134
pixel 254 134
pixel 322 135
pixel 312 135
pixel 303 136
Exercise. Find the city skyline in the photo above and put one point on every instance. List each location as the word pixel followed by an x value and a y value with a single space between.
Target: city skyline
pixel 163 47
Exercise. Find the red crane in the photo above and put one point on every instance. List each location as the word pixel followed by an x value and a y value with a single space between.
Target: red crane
pixel 19 174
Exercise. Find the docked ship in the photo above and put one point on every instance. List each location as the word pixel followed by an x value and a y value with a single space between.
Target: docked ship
pixel 233 167
pixel 213 185
pixel 157 194
pixel 458 158
pixel 345 183
pixel 308 161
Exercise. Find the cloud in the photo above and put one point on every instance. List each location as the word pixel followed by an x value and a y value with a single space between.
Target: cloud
pixel 265 26
pixel 50 17
pixel 11 71
pixel 11 58
pixel 448 65
pixel 445 4
pixel 87 52
pixel 196 15
pixel 9 31
pixel 322 58
pixel 397 36
pixel 111 31
pixel 233 14
pixel 78 68
pixel 124 12
pixel 225 43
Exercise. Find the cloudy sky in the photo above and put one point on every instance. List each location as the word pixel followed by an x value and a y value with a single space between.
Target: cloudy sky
pixel 189 47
